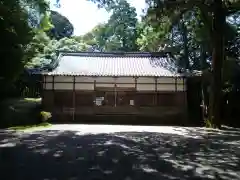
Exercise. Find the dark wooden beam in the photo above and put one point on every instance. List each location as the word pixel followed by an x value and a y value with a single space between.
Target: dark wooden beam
pixel 155 96
pixel 175 84
pixel 135 93
pixel 73 97
pixel 53 82
pixel 53 93
pixel 184 84
pixel 156 84
pixel 45 81
pixel 135 81
pixel 95 93
pixel 115 92
pixel 43 89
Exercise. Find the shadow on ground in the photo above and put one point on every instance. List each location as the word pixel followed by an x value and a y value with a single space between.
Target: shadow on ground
pixel 65 155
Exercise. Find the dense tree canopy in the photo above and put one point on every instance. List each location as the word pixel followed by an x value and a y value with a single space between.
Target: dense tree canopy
pixel 122 26
pixel 119 33
pixel 212 16
pixel 62 27
pixel 16 33
pixel 45 49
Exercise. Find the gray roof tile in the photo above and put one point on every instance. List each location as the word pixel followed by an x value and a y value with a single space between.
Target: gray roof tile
pixel 113 66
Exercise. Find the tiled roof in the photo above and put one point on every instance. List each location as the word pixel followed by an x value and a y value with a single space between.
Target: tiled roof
pixel 106 64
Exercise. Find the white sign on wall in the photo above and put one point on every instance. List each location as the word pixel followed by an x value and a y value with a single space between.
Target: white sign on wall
pixel 99 101
pixel 132 102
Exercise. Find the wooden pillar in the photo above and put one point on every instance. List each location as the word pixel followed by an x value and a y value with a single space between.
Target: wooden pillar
pixel 43 89
pixel 135 83
pixel 185 92
pixel 95 94
pixel 135 95
pixel 184 84
pixel 53 92
pixel 185 101
pixel 45 82
pixel 74 98
pixel 176 84
pixel 115 92
pixel 155 96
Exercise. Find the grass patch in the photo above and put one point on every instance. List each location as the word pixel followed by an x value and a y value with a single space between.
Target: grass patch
pixel 33 100
pixel 29 127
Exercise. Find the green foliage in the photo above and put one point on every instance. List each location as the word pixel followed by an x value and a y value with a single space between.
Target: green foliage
pixel 45 116
pixel 122 27
pixel 16 34
pixel 17 29
pixel 45 22
pixel 61 28
pixel 208 123
pixel 151 38
pixel 119 33
pixel 198 28
pixel 45 49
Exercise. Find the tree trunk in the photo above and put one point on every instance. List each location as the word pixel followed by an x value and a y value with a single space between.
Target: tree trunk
pixel 203 67
pixel 185 45
pixel 203 56
pixel 217 61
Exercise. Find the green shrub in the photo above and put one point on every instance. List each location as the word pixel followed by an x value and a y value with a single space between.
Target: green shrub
pixel 208 123
pixel 45 116
pixel 19 112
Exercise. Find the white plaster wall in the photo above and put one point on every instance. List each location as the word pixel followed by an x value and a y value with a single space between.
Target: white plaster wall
pixel 63 86
pixel 166 80
pixel 181 81
pixel 84 79
pixel 100 83
pixel 105 85
pixel 48 86
pixel 105 79
pixel 85 86
pixel 48 78
pixel 180 87
pixel 160 87
pixel 145 87
pixel 146 80
pixel 125 80
pixel 169 87
pixel 165 87
pixel 126 85
pixel 63 78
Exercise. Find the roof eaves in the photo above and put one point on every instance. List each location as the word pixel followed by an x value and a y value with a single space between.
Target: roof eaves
pixel 103 75
pixel 114 54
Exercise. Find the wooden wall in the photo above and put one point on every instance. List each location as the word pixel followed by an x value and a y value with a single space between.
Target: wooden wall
pixel 72 94
pixel 66 98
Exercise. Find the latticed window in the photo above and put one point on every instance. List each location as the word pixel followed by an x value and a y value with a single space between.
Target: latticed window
pixel 114 98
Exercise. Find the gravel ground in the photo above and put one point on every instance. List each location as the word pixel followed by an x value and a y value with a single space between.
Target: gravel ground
pixel 89 152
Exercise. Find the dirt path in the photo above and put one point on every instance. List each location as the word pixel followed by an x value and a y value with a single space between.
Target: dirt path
pixel 89 152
